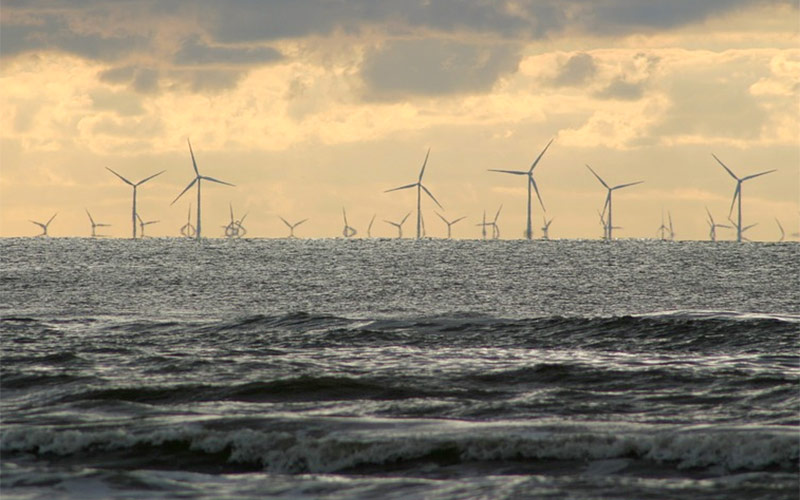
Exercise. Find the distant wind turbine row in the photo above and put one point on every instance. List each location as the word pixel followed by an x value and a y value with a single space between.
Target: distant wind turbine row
pixel 235 228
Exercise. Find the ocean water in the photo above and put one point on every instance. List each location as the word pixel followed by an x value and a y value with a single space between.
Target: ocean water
pixel 166 368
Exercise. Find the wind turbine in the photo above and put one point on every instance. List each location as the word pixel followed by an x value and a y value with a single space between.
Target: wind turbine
pixel 95 225
pixel 198 179
pixel 398 225
pixel 671 230
pixel 662 229
pixel 531 182
pixel 420 188
pixel 188 230
pixel 745 229
pixel 369 227
pixel 495 227
pixel 44 226
pixel 235 229
pixel 737 194
pixel 348 231
pixel 483 225
pixel 607 205
pixel 291 226
pixel 142 224
pixel 449 223
pixel 134 186
pixel 712 226
pixel 783 234
pixel 546 228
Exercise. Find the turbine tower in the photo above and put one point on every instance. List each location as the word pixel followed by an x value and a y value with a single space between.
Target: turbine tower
pixel 142 224
pixel 44 226
pixel 134 186
pixel 198 179
pixel 291 226
pixel 95 225
pixel 188 230
pixel 398 225
pixel 348 231
pixel 449 223
pixel 546 228
pixel 607 206
pixel 737 195
pixel 712 226
pixel 531 182
pixel 483 225
pixel 420 188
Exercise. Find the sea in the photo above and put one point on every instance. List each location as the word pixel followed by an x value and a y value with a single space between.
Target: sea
pixel 398 369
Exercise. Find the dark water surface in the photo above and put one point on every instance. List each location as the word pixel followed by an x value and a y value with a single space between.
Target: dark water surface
pixel 165 368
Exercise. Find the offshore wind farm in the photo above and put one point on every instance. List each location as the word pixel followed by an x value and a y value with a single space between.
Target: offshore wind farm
pixel 435 250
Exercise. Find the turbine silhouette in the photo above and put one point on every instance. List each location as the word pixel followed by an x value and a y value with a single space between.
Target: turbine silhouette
pixel 449 223
pixel 188 230
pixel 607 206
pixel 134 186
pixel 546 228
pixel 45 225
pixel 235 229
pixel 142 224
pixel 291 226
pixel 420 189
pixel 531 182
pixel 398 225
pixel 712 226
pixel 348 231
pixel 737 196
pixel 95 225
pixel 198 180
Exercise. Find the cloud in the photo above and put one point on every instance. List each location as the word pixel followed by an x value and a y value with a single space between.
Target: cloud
pixel 578 70
pixel 621 89
pixel 432 67
pixel 195 52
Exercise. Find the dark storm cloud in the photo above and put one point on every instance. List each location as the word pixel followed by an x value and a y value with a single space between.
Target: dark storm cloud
pixel 578 69
pixel 435 67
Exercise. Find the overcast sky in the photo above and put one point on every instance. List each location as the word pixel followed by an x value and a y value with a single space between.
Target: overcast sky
pixel 311 106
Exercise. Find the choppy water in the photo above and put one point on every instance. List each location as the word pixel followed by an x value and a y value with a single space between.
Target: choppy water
pixel 399 369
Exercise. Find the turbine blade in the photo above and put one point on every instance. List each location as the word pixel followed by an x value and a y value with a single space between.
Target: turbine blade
pixel 51 219
pixel 535 188
pixel 424 164
pixel 404 218
pixel 184 190
pixel 148 178
pixel 37 223
pixel 725 166
pixel 298 223
pixel 285 222
pixel 748 227
pixel 432 197
pixel 140 219
pixel 758 174
pixel 216 180
pixel 440 216
pixel 460 218
pixel 126 181
pixel 194 163
pixel 711 219
pixel 344 214
pixel 598 177
pixel 243 218
pixel 402 187
pixel 733 201
pixel 497 215
pixel 513 172
pixel 626 185
pixel 90 216
pixel 230 205
pixel 540 156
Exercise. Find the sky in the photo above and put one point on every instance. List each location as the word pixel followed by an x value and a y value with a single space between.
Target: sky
pixel 312 106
